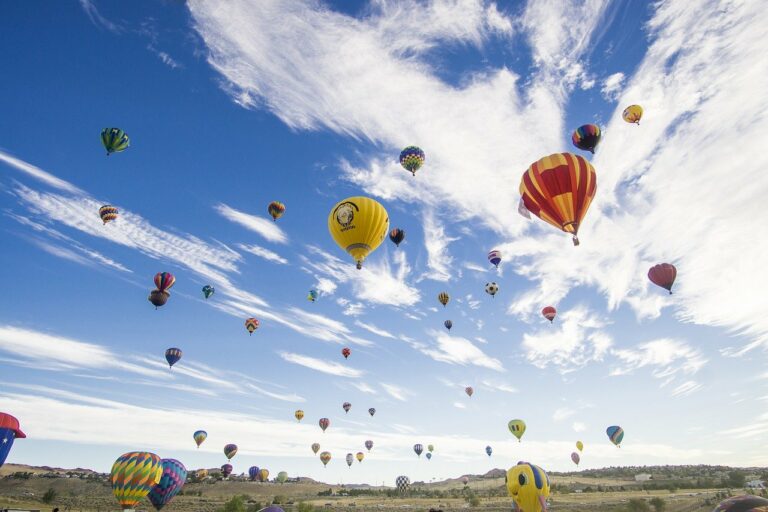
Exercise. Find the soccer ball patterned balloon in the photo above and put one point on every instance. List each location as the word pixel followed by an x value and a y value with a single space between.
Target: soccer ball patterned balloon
pixel 491 289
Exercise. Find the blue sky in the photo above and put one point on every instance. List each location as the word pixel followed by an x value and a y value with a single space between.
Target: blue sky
pixel 231 107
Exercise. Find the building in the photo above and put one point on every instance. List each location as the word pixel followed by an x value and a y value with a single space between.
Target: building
pixel 643 477
pixel 755 484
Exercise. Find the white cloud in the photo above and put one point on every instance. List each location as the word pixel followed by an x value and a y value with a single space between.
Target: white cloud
pixel 320 365
pixel 686 388
pixel 459 405
pixel 375 330
pixel 262 252
pixel 97 19
pixel 612 85
pixel 578 426
pixel 363 387
pixel 39 174
pixel 563 413
pixel 496 386
pixel 264 227
pixel 439 261
pixel 455 350
pixel 351 308
pixel 93 257
pixel 396 392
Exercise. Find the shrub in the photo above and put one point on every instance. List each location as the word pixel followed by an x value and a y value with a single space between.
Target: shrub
pixel 305 507
pixel 49 496
pixel 236 504
pixel 279 500
pixel 658 504
pixel 638 505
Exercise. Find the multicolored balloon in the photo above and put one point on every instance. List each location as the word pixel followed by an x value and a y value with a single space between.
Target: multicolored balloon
pixel 315 447
pixel 312 295
pixel 615 434
pixel 632 114
pixel 579 445
pixel 369 445
pixel 173 355
pixel 517 427
pixel 359 456
pixel 299 414
pixel 418 449
pixel 200 436
pixel 324 423
pixel 251 324
pixel 9 431
pixel 158 298
pixel 528 485
pixel 586 137
pixel 172 479
pixel 491 289
pixel 488 450
pixel 346 406
pixel 350 459
pixel 744 503
pixel 495 257
pixel 108 213
pixel 253 473
pixel 230 450
pixel 276 209
pixel 201 474
pixel 371 411
pixel 226 470
pixel 345 352
pixel 397 235
pixel 575 458
pixel 325 458
pixel 663 275
pixel 114 140
pixel 443 298
pixel 403 483
pixel 358 225
pixel 469 391
pixel 208 290
pixel 412 158
pixel 448 324
pixel 133 475
pixel 559 189
pixel 549 313
pixel 164 281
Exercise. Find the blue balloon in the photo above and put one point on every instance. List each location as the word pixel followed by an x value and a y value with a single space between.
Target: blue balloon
pixel 7 435
pixel 173 355
pixel 253 472
pixel 488 450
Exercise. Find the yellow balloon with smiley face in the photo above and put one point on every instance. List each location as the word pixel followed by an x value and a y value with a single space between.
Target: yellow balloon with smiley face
pixel 529 487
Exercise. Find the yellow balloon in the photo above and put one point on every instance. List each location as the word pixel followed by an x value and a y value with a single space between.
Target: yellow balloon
pixel 529 487
pixel 517 427
pixel 358 225
pixel 579 445
pixel 632 114
pixel 299 414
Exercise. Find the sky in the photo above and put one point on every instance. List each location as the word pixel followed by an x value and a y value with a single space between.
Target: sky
pixel 232 105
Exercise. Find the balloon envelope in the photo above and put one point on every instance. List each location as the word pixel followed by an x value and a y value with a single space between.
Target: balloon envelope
pixel 199 437
pixel 632 114
pixel 325 458
pixel 164 281
pixel 517 427
pixel 495 257
pixel 371 411
pixel 350 459
pixel 529 487
pixel 418 449
pixel 108 213
pixel 402 483
pixel 579 445
pixel 469 391
pixel 397 235
pixel 230 450
pixel 9 431
pixel 412 158
pixel 369 445
pixel 226 470
pixel 346 406
pixel 174 474
pixel 208 290
pixel 251 324
pixel 114 140
pixel 745 503
pixel 346 352
pixel 299 414
pixel 315 447
pixel 615 434
pixel 448 324
pixel 549 313
pixel 586 137
pixel 358 225
pixel 663 275
pixel 282 477
pixel 253 472
pixel 488 450
pixel 133 475
pixel 443 298
pixel 575 458
pixel 324 423
pixel 276 209
pixel 173 355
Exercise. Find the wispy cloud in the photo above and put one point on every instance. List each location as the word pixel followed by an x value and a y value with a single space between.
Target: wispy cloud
pixel 262 252
pixel 396 392
pixel 578 426
pixel 612 85
pixel 459 405
pixel 439 261
pixel 563 413
pixel 320 365
pixel 97 19
pixel 363 387
pixel 375 330
pixel 264 227
pixel 455 350
pixel 91 258
pixel 39 174
pixel 499 386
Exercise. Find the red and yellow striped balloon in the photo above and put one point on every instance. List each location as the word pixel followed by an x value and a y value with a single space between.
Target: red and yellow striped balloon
pixel 133 476
pixel 164 281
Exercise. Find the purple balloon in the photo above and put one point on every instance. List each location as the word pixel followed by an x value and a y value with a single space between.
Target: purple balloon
pixel 253 472
pixel 172 480
pixel 272 508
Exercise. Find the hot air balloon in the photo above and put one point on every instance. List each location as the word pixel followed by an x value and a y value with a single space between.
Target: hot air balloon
pixel 253 473
pixel 226 470
pixel 495 257
pixel 586 137
pixel 114 140
pixel 324 422
pixel 359 456
pixel 371 411
pixel 368 445
pixel 158 298
pixel 744 503
pixel 412 158
pixel 469 391
pixel 443 298
pixel 632 114
pixel 312 295
pixel 108 213
pixel 615 434
pixel 251 324
pixel 549 313
pixel 529 487
pixel 465 480
pixel 579 445
pixel 199 437
pixel 491 289
pixel 325 458
pixel 358 225
pixel 575 458
pixel 230 450
pixel 201 474
pixel 428 456
pixel 663 275
pixel 448 324
pixel 517 427
pixel 263 475
pixel 9 431
pixel 282 477
pixel 208 291
pixel 173 355
pixel 299 414
pixel 418 449
pixel 559 189
pixel 488 450
pixel 346 406
pixel 164 281
pixel 172 479
pixel 133 475
pixel 345 352
pixel 403 483
pixel 350 459
pixel 276 209
pixel 430 448
pixel 315 447
pixel 397 235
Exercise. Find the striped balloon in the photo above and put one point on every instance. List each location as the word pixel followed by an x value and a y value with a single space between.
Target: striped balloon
pixel 276 209
pixel 412 158
pixel 418 449
pixel 164 281
pixel 263 475
pixel 251 324
pixel 200 436
pixel 325 458
pixel 230 450
pixel 173 355
pixel 172 480
pixel 615 434
pixel 108 213
pixel 253 472
pixel 133 475
pixel 114 140
pixel 586 137
pixel 495 257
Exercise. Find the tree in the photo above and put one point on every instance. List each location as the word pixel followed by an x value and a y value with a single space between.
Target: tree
pixel 658 504
pixel 638 505
pixel 49 496
pixel 737 479
pixel 236 504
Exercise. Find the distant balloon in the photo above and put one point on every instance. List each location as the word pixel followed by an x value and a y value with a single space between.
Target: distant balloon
pixel 282 477
pixel 199 437
pixel 443 298
pixel 133 475
pixel 359 456
pixel 108 213
pixel 358 225
pixel 744 503
pixel 263 475
pixel 488 450
pixel 465 480
pixel 615 434
pixel 345 352
pixel 517 427
pixel 312 295
pixel 397 235
pixel 448 324
pixel 579 445
pixel 315 447
pixel 575 458
pixel 346 406
pixel 663 275
pixel 208 291
pixel 368 445
pixel 350 459
pixel 226 470
pixel 253 473
pixel 418 449
pixel 549 313
pixel 428 456
pixel 172 479
pixel 201 474
pixel 403 483
pixel 586 137
pixel 412 158
pixel 276 209
pixel 495 257
pixel 158 298
pixel 173 355
pixel 230 450
pixel 114 140
pixel 632 114
pixel 529 487
pixel 491 289
pixel 430 448
pixel 371 411
pixel 469 391
pixel 325 458
pixel 324 422
pixel 299 414
pixel 251 324
pixel 9 431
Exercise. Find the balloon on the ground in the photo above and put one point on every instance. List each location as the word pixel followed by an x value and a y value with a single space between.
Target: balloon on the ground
pixel 360 456
pixel 403 483
pixel 575 458
pixel 172 479
pixel 201 474
pixel 315 447
pixel 325 458
pixel 299 414
pixel 412 158
pixel 350 459
pixel 586 137
pixel 251 324
pixel 491 289
pixel 346 352
pixel 579 445
pixel 173 355
pixel 448 324
pixel 632 114
pixel 324 422
pixel 208 290
pixel 529 487
pixel 549 313
pixel 744 503
pixel 517 427
pixel 114 140
pixel 271 508
pixel 418 449
pixel 133 475
pixel 488 450
pixel 263 475
pixel 9 431
pixel 469 391
pixel 663 275
pixel 371 411
pixel 108 213
pixel 226 470
pixel 465 480
pixel 199 436
pixel 358 225
pixel 253 473
pixel 443 298
pixel 282 477
pixel 397 235
pixel 559 189
pixel 615 434
pixel 495 257
pixel 346 406
pixel 368 445
pixel 276 209
pixel 230 450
